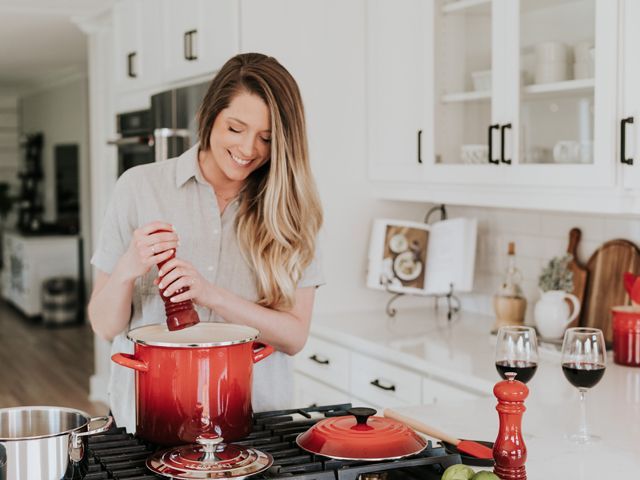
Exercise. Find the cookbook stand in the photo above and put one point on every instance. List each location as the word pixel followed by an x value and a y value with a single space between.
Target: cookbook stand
pixel 453 302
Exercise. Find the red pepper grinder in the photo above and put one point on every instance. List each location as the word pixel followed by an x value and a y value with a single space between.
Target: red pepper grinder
pixel 179 314
pixel 509 450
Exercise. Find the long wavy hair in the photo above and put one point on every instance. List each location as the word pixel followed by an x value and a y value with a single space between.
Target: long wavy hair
pixel 279 213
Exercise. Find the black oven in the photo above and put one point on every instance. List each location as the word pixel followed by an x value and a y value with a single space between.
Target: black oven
pixel 136 141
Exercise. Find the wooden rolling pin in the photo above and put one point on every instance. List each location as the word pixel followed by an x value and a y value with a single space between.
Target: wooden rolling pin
pixel 469 447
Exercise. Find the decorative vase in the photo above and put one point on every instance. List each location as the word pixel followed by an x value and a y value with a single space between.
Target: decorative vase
pixel 552 315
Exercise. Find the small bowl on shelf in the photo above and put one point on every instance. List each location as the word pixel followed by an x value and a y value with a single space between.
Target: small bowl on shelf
pixel 481 80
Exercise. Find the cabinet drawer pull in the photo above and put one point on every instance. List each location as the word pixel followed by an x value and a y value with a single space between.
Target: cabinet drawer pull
pixel 131 69
pixel 490 143
pixel 388 388
pixel 321 361
pixel 419 146
pixel 189 53
pixel 623 141
pixel 502 143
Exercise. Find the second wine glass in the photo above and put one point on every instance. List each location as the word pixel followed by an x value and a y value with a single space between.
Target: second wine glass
pixel 517 351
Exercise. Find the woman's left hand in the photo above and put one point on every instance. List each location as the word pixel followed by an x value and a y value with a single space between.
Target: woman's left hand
pixel 177 274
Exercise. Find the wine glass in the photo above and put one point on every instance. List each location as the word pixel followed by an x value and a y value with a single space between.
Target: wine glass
pixel 517 351
pixel 583 364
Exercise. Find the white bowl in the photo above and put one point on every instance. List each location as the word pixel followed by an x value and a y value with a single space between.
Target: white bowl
pixel 550 72
pixel 547 52
pixel 481 80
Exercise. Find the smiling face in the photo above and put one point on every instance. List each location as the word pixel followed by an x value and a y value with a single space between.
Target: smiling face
pixel 240 140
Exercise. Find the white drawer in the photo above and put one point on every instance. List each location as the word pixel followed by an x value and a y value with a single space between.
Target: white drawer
pixel 310 392
pixel 434 391
pixel 384 384
pixel 326 362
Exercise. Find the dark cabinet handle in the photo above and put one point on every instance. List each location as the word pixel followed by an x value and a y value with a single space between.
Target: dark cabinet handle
pixel 419 146
pixel 490 142
pixel 131 70
pixel 502 129
pixel 315 358
pixel 388 388
pixel 623 141
pixel 188 45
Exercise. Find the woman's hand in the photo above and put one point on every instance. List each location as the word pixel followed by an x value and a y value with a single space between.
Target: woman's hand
pixel 177 274
pixel 150 244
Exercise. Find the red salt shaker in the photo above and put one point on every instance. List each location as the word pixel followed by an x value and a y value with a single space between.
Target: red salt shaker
pixel 179 314
pixel 509 450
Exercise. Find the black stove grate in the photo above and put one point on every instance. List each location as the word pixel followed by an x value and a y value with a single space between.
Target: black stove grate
pixel 119 455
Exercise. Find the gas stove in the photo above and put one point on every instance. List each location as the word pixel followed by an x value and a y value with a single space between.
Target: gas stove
pixel 120 455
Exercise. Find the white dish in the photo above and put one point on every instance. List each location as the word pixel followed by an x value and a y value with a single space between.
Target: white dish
pixel 406 267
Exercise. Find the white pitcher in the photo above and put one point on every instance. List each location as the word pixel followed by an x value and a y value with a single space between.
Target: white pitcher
pixel 551 313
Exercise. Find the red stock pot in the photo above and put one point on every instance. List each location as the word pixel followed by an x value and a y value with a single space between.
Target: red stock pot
pixel 193 381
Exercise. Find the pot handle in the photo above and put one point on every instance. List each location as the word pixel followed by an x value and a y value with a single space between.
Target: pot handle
pixel 263 352
pixel 129 361
pixel 76 450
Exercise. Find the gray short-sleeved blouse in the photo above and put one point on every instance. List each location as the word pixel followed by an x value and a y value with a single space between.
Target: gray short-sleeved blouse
pixel 175 191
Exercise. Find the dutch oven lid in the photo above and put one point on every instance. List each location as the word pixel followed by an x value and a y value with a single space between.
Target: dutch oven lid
pixel 209 458
pixel 203 334
pixel 361 436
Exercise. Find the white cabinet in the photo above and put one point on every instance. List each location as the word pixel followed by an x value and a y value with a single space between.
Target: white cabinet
pixel 199 36
pixel 28 261
pixel 397 88
pixel 329 372
pixel 137 44
pixel 472 76
pixel 628 157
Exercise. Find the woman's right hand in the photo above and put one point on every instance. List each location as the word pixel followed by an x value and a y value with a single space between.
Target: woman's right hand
pixel 150 244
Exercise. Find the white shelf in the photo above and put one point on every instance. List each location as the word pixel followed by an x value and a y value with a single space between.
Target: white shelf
pixel 552 89
pixel 460 5
pixel 466 96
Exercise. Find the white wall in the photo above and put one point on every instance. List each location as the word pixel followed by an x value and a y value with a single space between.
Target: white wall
pixel 61 113
pixel 9 126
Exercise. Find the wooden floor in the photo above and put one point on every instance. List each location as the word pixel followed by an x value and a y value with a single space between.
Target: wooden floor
pixel 45 366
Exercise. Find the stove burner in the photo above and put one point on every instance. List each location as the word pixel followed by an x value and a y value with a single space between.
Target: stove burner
pixel 119 455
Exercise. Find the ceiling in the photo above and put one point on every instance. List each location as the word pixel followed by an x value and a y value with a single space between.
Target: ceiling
pixel 39 41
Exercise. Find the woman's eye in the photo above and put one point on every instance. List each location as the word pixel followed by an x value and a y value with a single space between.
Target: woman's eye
pixel 231 129
pixel 266 140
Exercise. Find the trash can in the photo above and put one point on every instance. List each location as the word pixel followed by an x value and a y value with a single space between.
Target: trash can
pixel 59 301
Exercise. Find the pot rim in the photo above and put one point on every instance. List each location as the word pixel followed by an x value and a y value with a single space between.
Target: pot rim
pixel 225 343
pixel 85 415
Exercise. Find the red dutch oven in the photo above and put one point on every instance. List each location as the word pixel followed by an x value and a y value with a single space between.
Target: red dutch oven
pixel 361 436
pixel 193 381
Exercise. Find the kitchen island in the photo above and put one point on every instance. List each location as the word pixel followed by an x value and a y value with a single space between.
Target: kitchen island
pixel 462 351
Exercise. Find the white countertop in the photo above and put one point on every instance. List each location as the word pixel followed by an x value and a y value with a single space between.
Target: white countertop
pixel 462 352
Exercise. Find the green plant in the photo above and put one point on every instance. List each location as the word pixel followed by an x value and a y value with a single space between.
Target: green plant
pixel 556 275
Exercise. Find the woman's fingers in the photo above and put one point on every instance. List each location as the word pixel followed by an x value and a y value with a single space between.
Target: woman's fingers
pixel 160 257
pixel 182 282
pixel 152 227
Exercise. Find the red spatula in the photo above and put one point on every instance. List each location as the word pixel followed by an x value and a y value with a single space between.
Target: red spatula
pixel 474 449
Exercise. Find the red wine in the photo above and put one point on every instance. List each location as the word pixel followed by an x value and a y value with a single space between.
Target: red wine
pixel 524 370
pixel 583 375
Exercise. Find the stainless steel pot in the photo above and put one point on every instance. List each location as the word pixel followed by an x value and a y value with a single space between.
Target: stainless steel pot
pixel 46 443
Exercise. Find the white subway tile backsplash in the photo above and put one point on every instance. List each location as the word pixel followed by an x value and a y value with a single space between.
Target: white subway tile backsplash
pixel 539 236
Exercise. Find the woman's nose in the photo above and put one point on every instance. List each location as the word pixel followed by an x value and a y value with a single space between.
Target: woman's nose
pixel 247 147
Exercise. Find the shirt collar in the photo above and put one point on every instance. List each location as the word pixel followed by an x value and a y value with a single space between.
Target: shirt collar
pixel 187 167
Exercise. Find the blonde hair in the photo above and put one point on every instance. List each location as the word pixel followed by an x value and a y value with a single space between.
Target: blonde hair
pixel 279 214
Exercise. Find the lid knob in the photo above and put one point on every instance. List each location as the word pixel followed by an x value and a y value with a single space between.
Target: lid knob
pixel 210 442
pixel 361 414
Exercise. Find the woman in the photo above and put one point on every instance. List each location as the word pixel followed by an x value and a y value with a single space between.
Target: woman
pixel 242 210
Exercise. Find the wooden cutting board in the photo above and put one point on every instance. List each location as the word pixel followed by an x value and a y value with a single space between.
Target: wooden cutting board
pixel 605 286
pixel 579 271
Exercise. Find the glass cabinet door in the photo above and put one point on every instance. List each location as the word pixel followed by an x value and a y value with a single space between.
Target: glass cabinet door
pixel 564 92
pixel 462 81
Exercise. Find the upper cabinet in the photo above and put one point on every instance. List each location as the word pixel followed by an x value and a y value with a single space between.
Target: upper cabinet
pixel 163 42
pixel 501 95
pixel 199 36
pixel 137 44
